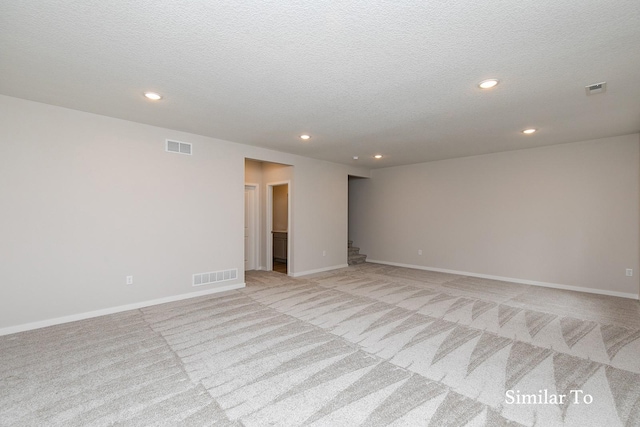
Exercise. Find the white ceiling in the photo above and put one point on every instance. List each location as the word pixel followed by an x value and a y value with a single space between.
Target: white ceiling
pixel 362 77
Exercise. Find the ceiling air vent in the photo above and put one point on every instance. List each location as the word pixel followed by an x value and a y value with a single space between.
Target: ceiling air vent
pixel 596 88
pixel 178 147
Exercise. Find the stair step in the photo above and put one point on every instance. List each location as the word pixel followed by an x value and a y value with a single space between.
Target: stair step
pixel 357 259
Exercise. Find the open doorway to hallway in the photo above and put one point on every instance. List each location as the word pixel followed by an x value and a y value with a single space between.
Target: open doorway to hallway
pixel 279 198
pixel 278 216
pixel 353 251
pixel 272 182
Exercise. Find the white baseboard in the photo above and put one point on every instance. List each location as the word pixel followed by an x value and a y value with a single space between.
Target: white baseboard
pixel 510 279
pixel 319 270
pixel 112 310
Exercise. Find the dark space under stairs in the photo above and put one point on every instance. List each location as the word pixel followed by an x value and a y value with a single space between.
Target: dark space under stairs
pixel 355 257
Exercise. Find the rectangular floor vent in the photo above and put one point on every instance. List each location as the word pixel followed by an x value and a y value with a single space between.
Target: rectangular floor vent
pixel 178 147
pixel 214 277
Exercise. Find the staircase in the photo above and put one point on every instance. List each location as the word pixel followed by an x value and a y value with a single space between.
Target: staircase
pixel 355 257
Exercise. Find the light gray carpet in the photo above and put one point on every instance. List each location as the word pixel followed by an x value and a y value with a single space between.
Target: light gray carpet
pixel 369 345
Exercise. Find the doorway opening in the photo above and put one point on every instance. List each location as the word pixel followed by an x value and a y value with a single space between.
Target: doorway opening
pixel 268 214
pixel 354 239
pixel 278 219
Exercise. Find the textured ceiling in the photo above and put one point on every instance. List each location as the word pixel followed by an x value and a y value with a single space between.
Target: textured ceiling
pixel 361 77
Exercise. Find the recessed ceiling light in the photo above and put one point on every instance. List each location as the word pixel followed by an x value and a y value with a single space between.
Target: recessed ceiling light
pixel 305 137
pixel 488 84
pixel 378 156
pixel 355 157
pixel 529 131
pixel 153 96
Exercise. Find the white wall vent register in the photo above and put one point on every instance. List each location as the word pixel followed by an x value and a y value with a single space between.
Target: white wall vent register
pixel 596 88
pixel 178 147
pixel 214 277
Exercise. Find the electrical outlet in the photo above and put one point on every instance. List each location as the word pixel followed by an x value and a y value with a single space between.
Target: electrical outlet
pixel 324 253
pixel 419 251
pixel 129 280
pixel 629 272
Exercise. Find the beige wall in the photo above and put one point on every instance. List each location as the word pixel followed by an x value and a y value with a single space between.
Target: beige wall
pixel 566 214
pixel 88 200
pixel 253 172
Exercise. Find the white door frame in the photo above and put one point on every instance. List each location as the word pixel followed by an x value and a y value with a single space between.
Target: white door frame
pixel 269 227
pixel 255 188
